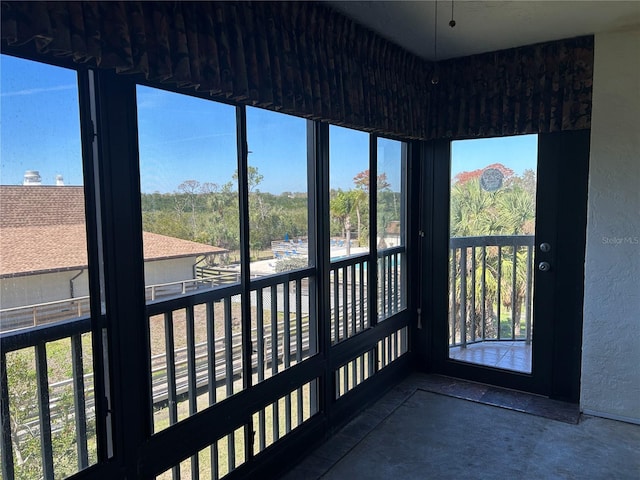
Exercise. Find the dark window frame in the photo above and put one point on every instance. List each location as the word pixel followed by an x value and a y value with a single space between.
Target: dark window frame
pixel 112 184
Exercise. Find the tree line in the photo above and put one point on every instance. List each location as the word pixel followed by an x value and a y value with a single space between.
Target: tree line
pixel 509 210
pixel 208 213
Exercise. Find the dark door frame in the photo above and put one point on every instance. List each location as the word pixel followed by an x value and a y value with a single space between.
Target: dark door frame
pixel 561 221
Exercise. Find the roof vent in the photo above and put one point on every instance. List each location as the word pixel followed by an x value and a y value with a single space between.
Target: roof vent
pixel 32 178
pixel 59 181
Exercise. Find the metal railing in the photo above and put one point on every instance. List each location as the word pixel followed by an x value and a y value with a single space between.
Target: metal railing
pixel 33 409
pixel 209 365
pixel 282 334
pixel 49 312
pixel 490 288
pixel 349 288
pixel 43 313
pixel 391 278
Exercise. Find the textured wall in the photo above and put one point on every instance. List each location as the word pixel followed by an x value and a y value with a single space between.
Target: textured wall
pixel 166 271
pixel 33 289
pixel 611 334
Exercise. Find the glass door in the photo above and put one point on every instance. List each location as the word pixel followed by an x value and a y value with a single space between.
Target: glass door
pixel 507 260
pixel 491 248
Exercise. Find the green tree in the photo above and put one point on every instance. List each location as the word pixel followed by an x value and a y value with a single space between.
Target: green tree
pixel 508 211
pixel 254 177
pixel 23 416
pixel 342 206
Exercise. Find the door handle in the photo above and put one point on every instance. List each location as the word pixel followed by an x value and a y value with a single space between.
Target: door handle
pixel 544 266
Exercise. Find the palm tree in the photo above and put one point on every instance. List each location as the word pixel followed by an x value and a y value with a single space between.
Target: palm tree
pixel 341 208
pixel 475 212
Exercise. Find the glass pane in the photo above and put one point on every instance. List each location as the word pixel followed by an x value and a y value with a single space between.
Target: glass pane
pixel 191 237
pixel 391 193
pixel 349 191
pixel 278 192
pixel 44 270
pixel 390 231
pixel 349 231
pixel 493 192
pixel 190 214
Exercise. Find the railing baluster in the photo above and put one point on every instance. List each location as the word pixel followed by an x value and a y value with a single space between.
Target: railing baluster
pixel 474 329
pixel 231 451
pixel 361 295
pixel 286 342
pixel 405 341
pixel 42 377
pixel 383 287
pixel 463 296
pixel 260 353
pixel 275 421
pixel 5 422
pixel 171 379
pixel 484 292
pixel 274 356
pixel 211 353
pixel 171 367
pixel 354 372
pixel 299 342
pixel 191 380
pixel 499 289
pixel 79 401
pixel 396 289
pixel 274 331
pixel 260 334
pixel 212 386
pixel 388 298
pixel 528 294
pixel 345 377
pixel 372 361
pixel 354 305
pixel 453 295
pixel 513 293
pixel 228 347
pixel 299 345
pixel 345 302
pixel 336 307
pixel 286 347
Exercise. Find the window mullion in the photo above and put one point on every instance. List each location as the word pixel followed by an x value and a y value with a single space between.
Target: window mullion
pixel 88 122
pixel 373 246
pixel 245 259
pixel 118 183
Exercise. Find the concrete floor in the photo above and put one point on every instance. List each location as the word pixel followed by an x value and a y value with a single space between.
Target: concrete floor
pixel 415 434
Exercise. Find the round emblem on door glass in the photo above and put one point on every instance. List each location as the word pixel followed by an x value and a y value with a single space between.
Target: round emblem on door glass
pixel 491 179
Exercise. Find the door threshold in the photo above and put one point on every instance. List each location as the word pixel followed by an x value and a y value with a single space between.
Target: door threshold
pixel 501 397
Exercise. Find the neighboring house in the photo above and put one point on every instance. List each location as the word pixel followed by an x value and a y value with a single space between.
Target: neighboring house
pixel 44 253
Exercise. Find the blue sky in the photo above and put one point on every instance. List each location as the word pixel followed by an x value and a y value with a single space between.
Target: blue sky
pixel 40 127
pixel 517 153
pixel 186 138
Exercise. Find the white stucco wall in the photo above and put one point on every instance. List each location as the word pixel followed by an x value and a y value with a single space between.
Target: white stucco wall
pixel 166 271
pixel 35 289
pixel 48 287
pixel 610 384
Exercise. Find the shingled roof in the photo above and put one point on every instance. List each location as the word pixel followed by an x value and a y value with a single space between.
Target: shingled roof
pixel 42 230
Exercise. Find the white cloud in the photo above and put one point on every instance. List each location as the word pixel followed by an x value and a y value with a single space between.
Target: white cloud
pixel 34 91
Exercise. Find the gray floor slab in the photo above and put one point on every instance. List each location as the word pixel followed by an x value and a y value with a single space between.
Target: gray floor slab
pixel 431 436
pixel 432 427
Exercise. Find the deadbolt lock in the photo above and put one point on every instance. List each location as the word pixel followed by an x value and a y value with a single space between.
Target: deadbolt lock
pixel 545 247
